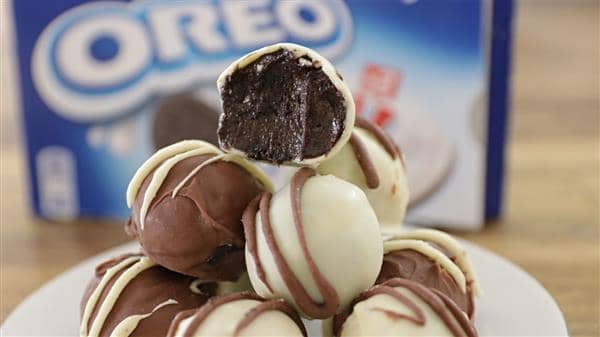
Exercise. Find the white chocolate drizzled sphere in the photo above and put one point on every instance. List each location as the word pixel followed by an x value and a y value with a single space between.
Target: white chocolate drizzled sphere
pixel 315 243
pixel 371 161
pixel 401 308
pixel 241 314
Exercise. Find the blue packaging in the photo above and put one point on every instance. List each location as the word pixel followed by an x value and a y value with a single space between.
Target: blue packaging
pixel 95 74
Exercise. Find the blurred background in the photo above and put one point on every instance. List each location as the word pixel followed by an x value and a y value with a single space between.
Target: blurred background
pixel 550 223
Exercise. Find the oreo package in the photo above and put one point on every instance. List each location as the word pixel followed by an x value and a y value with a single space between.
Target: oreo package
pixel 103 84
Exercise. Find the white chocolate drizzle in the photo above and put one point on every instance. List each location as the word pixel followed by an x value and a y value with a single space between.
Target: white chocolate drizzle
pixel 195 286
pixel 140 263
pixel 165 159
pixel 128 325
pixel 447 242
pixel 156 159
pixel 431 252
pixel 194 171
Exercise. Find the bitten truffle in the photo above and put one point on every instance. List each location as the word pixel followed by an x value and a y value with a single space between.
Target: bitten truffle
pixel 401 307
pixel 241 314
pixel 315 243
pixel 187 202
pixel 284 104
pixel 372 161
pixel 435 260
pixel 132 296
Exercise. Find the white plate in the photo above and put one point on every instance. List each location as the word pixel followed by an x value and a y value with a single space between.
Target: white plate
pixel 512 304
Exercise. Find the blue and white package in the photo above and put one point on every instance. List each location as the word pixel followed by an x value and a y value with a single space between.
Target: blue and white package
pixel 93 75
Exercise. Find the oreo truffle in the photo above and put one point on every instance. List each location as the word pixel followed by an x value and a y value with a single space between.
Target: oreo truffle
pixel 183 116
pixel 435 260
pixel 401 307
pixel 372 161
pixel 133 296
pixel 187 202
pixel 242 314
pixel 284 104
pixel 315 243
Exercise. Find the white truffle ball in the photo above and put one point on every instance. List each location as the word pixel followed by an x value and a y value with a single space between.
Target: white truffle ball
pixel 241 314
pixel 315 243
pixel 402 308
pixel 371 161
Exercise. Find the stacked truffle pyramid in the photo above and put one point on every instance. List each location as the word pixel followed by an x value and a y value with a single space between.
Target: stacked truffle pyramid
pixel 223 254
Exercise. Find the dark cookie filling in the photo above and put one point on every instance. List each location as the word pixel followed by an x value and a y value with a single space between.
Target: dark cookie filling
pixel 281 108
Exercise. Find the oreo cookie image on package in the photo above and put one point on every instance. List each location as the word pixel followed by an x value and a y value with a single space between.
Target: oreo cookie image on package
pixel 103 84
pixel 183 116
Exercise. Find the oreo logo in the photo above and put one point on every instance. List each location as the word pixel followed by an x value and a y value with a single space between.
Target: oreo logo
pixel 101 60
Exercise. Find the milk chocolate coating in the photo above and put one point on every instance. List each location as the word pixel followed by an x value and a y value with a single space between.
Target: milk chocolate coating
pixel 411 265
pixel 199 231
pixel 183 116
pixel 277 110
pixel 140 296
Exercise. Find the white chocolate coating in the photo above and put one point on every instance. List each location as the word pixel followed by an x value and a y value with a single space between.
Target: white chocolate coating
pixel 327 68
pixel 342 236
pixel 390 198
pixel 447 242
pixel 223 321
pixel 164 160
pixel 368 319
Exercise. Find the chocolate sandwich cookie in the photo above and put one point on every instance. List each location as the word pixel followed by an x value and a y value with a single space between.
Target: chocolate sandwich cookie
pixel 133 296
pixel 284 104
pixel 435 260
pixel 315 243
pixel 372 161
pixel 401 307
pixel 241 314
pixel 187 202
pixel 183 116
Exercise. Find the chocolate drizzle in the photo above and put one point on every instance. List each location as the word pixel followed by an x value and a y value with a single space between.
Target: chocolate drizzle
pixel 455 320
pixel 249 221
pixel 390 146
pixel 330 296
pixel 365 161
pixel 331 300
pixel 416 266
pixel 274 305
pixel 200 315
pixel 457 312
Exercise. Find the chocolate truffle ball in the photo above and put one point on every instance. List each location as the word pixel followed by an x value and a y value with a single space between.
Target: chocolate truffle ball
pixel 133 296
pixel 373 162
pixel 183 116
pixel 284 104
pixel 435 260
pixel 187 202
pixel 242 314
pixel 401 307
pixel 315 243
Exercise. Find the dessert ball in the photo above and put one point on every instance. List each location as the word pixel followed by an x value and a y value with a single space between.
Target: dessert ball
pixel 187 202
pixel 284 104
pixel 241 314
pixel 133 296
pixel 183 116
pixel 435 260
pixel 373 162
pixel 315 243
pixel 401 307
